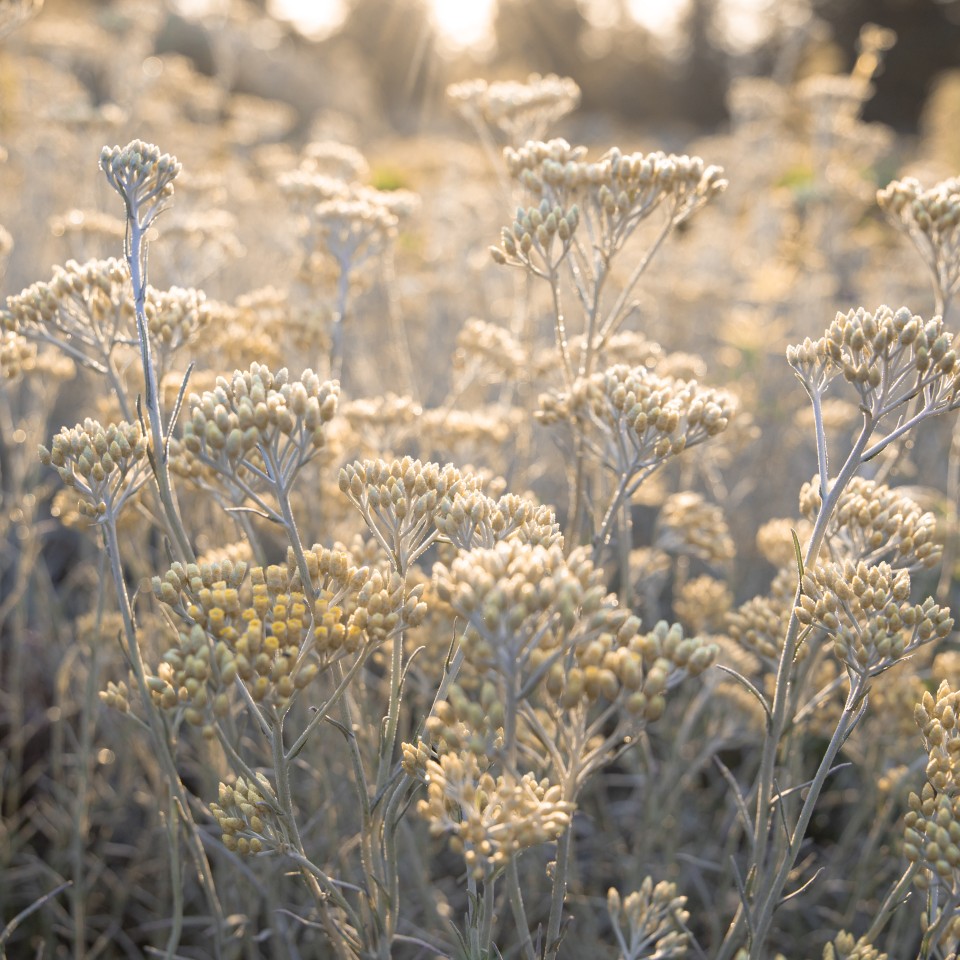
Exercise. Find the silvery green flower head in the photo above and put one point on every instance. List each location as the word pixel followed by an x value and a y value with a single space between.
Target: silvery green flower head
pixel 143 176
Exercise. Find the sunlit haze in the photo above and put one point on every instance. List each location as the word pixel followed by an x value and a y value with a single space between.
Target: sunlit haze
pixel 469 23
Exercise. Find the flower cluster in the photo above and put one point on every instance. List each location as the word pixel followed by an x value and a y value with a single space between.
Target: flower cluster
pixel 85 307
pixel 656 919
pixel 247 814
pixel 889 357
pixel 349 221
pixel 401 500
pixel 275 634
pixel 264 422
pixel 644 418
pixel 538 239
pixel 616 192
pixel 471 519
pixel 518 111
pixel 105 465
pixel 17 355
pixel 873 522
pixel 689 525
pixel 760 623
pixel 490 819
pixel 930 218
pixel 87 310
pixel 932 825
pixel 867 613
pixel 702 603
pixel 143 176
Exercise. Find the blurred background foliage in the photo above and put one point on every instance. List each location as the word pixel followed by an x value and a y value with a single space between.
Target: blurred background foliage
pixel 387 56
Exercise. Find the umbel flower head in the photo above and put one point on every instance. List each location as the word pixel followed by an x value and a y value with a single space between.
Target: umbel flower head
pixel 866 611
pixel 931 219
pixel 105 465
pixel 490 819
pixel 655 918
pixel 516 111
pixel 143 176
pixel 932 825
pixel 618 191
pixel 87 310
pixel 888 356
pixel 643 418
pixel 873 522
pixel 264 422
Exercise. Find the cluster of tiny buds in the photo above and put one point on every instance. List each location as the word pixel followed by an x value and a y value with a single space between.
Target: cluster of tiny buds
pixel 622 665
pixel 247 815
pixel 462 723
pixel 17 355
pixel 104 464
pixel 257 408
pixel 490 819
pixel 532 240
pixel 932 825
pixel 116 696
pixel 491 344
pixel 702 603
pixel 399 500
pixel 872 521
pixel 619 189
pixel 660 416
pixel 519 110
pixel 470 519
pixel 656 919
pixel 82 299
pixel 142 175
pixel 689 524
pixel 759 624
pixel 845 947
pixel 867 612
pixel 930 218
pixel 183 584
pixel 517 595
pixel 878 353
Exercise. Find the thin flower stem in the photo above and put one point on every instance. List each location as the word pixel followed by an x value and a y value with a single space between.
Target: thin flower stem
pixel 157 732
pixel 136 256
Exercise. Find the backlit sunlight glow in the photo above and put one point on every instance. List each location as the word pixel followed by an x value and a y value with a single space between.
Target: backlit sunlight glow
pixel 469 23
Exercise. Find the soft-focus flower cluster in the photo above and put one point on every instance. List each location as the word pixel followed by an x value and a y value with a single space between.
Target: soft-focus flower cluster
pixel 490 819
pixel 247 814
pixel 618 191
pixel 347 220
pixel 544 618
pixel 87 310
pixel 760 623
pixel 932 825
pixel 105 465
pixel 17 355
pixel 518 111
pixel 873 522
pixel 689 525
pixel 866 612
pixel 650 922
pixel 266 423
pixel 889 357
pixel 930 218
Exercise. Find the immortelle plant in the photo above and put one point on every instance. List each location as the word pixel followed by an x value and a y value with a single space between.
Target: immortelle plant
pixel 545 677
